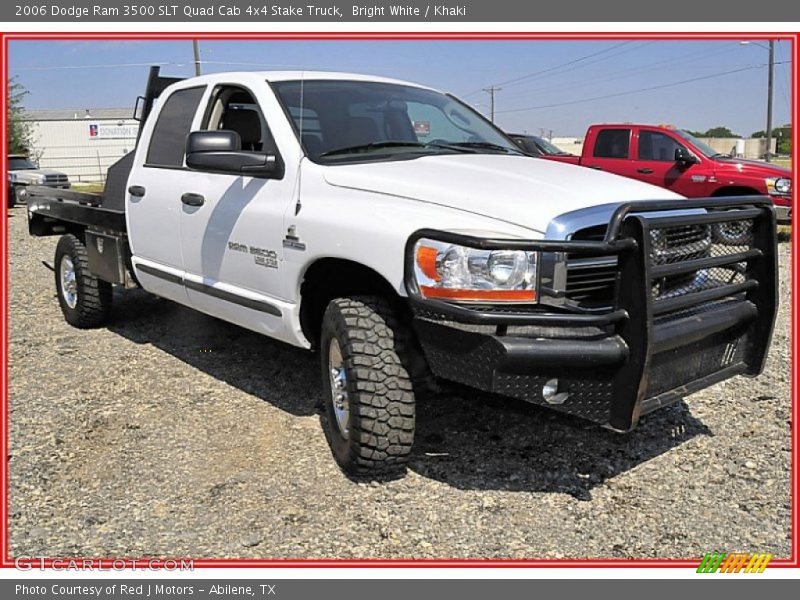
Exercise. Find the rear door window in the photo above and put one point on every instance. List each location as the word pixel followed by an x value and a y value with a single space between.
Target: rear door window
pixel 612 143
pixel 168 141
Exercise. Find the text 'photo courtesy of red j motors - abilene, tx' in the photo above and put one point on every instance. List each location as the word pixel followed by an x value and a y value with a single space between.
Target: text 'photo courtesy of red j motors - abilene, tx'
pixel 399 300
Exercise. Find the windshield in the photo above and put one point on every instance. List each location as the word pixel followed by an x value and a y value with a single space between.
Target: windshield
pixel 365 120
pixel 702 146
pixel 20 164
pixel 548 147
pixel 528 144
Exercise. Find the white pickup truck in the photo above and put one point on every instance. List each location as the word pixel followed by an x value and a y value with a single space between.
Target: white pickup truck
pixel 404 237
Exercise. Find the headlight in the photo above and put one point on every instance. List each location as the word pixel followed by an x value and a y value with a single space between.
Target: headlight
pixel 453 272
pixel 779 185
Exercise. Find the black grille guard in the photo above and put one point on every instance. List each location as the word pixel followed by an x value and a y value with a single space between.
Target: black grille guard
pixel 647 324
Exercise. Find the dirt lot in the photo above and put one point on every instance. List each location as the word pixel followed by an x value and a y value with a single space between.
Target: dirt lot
pixel 172 433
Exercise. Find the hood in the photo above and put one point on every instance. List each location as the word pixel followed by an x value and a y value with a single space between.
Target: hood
pixel 751 167
pixel 520 190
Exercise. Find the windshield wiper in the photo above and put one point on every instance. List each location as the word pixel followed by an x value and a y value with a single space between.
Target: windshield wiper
pixel 721 155
pixel 454 146
pixel 373 146
pixel 485 145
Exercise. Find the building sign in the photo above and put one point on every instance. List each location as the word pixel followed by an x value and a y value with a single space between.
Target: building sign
pixel 113 131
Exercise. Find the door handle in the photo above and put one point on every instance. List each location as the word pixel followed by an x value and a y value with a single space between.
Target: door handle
pixel 136 190
pixel 645 171
pixel 191 199
pixel 596 167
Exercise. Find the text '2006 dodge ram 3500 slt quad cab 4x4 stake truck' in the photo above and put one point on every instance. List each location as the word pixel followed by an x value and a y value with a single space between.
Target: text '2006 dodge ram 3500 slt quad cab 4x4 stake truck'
pixel 400 233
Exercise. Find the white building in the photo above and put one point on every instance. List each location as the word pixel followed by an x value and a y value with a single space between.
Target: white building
pixel 82 143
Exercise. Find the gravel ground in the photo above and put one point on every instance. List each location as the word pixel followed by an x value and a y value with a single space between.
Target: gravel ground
pixel 172 433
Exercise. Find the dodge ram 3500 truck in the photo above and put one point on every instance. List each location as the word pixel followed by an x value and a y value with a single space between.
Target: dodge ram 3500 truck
pixel 397 231
pixel 676 160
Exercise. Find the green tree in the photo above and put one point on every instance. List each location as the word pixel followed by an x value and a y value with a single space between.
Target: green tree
pixel 721 132
pixel 20 132
pixel 784 136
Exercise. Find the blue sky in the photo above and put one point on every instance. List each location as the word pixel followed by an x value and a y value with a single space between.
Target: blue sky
pixel 555 85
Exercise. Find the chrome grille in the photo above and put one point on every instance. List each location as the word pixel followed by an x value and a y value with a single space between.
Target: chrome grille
pixel 591 280
pixel 674 245
pixel 60 178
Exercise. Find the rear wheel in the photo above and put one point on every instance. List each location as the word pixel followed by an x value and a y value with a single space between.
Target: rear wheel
pixel 369 396
pixel 85 300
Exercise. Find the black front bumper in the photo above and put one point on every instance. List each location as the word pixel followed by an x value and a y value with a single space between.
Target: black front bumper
pixel 642 353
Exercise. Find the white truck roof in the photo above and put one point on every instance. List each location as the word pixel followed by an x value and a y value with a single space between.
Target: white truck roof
pixel 296 75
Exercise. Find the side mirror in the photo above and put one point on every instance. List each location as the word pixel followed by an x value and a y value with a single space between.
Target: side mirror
pixel 221 151
pixel 683 156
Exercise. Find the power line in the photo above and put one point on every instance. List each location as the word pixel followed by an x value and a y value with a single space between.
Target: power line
pixel 592 62
pixel 550 69
pixel 517 80
pixel 112 66
pixel 629 72
pixel 636 91
pixel 782 83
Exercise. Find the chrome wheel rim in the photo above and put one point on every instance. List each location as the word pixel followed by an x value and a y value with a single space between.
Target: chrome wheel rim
pixel 69 284
pixel 338 378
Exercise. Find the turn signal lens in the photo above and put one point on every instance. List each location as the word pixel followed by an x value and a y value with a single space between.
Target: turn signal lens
pixel 426 260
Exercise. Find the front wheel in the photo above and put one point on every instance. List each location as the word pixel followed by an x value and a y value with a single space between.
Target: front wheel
pixel 85 300
pixel 369 397
pixel 20 195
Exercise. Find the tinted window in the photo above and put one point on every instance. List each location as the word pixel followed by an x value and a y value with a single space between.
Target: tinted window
pixel 168 142
pixel 20 164
pixel 612 143
pixel 528 145
pixel 657 146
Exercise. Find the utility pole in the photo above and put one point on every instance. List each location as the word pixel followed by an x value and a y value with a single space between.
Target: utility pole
pixel 770 82
pixel 196 48
pixel 770 85
pixel 491 91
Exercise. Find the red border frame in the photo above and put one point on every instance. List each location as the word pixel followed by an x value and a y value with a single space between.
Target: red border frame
pixel 6 561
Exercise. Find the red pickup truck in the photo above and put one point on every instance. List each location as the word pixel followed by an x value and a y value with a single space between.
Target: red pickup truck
pixel 676 160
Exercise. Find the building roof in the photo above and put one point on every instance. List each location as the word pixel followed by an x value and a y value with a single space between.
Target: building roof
pixel 77 114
